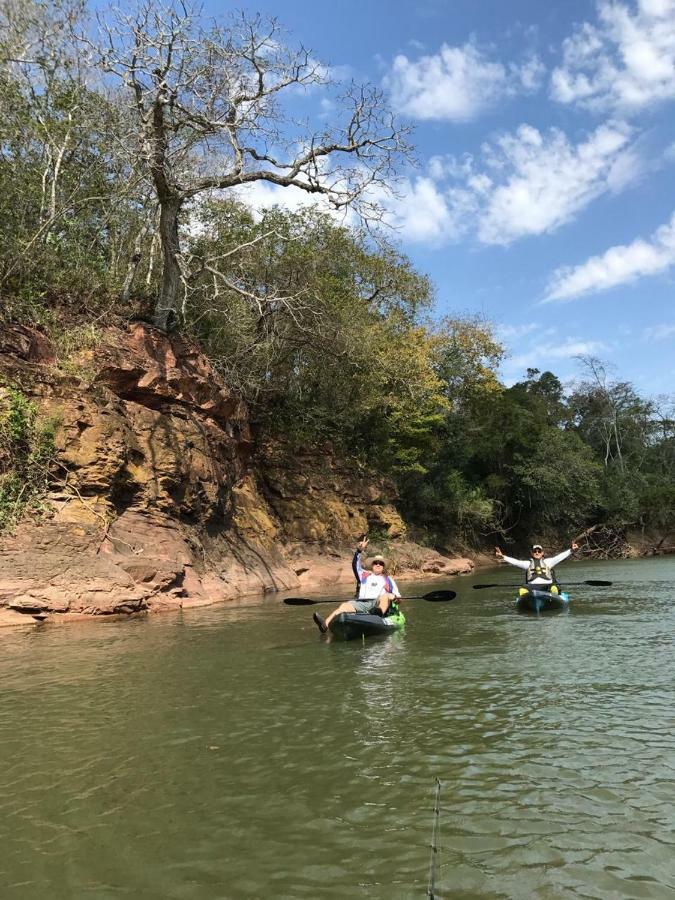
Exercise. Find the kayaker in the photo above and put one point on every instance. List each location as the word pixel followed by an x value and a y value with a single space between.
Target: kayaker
pixel 539 568
pixel 377 590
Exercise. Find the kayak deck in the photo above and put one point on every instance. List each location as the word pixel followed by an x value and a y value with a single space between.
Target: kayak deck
pixel 541 601
pixel 348 626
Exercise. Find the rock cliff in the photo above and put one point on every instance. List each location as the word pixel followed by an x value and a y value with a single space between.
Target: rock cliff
pixel 159 498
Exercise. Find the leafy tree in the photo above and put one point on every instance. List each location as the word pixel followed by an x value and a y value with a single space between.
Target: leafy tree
pixel 321 333
pixel 557 482
pixel 26 452
pixel 207 109
pixel 68 204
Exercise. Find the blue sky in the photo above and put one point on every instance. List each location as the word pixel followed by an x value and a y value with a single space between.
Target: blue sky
pixel 544 196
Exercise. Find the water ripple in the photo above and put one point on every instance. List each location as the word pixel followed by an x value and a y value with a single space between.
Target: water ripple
pixel 235 754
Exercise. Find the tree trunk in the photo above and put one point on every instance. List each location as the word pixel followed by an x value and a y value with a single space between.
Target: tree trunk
pixel 165 309
pixel 134 263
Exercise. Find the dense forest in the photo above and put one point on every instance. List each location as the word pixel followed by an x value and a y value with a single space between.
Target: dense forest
pixel 121 154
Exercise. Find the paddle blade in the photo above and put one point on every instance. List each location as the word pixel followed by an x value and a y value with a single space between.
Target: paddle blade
pixel 598 583
pixel 299 601
pixel 479 587
pixel 439 596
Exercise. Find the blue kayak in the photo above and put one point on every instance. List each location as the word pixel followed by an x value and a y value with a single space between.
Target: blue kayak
pixel 536 601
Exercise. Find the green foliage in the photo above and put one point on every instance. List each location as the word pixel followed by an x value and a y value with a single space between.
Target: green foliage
pixel 657 502
pixel 70 206
pixel 26 452
pixel 73 345
pixel 449 507
pixel 324 343
pixel 558 481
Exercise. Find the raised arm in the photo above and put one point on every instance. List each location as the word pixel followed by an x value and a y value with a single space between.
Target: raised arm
pixel 553 561
pixel 519 563
pixel 357 568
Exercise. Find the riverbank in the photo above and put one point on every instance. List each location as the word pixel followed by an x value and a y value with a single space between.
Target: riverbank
pixel 74 574
pixel 159 497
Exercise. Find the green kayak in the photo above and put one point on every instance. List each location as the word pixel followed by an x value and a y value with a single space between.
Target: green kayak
pixel 348 626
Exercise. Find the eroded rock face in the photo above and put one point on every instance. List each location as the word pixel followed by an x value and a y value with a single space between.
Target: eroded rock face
pixel 320 499
pixel 19 343
pixel 157 501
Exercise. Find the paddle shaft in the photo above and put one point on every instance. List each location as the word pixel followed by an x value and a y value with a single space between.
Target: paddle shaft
pixel 432 597
pixel 592 582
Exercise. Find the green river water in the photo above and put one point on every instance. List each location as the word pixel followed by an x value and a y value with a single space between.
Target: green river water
pixel 235 753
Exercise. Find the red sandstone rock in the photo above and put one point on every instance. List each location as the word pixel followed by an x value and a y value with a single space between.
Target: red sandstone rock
pixel 157 503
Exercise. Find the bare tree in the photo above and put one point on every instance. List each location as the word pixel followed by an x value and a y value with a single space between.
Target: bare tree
pixel 206 101
pixel 615 416
pixel 37 48
pixel 60 135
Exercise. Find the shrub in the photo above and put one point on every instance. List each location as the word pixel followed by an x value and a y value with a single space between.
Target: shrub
pixel 26 454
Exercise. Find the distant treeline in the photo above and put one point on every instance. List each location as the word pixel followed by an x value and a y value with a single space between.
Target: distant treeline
pixel 111 207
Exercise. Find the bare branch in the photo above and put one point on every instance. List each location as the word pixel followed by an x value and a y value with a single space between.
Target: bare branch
pixel 206 99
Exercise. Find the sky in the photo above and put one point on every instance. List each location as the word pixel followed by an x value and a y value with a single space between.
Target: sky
pixel 543 198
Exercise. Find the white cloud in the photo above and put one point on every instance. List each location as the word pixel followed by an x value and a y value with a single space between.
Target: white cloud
pixel 447 166
pixel 523 183
pixel 541 354
pixel 619 265
pixel 458 83
pixel 624 63
pixel 418 211
pixel 261 195
pixel 421 212
pixel 538 346
pixel 662 332
pixel 515 332
pixel 534 182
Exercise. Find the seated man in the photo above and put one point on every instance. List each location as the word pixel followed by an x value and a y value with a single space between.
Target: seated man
pixel 540 572
pixel 377 590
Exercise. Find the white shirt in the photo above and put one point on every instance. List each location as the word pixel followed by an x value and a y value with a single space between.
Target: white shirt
pixel 551 562
pixel 370 584
pixel 374 585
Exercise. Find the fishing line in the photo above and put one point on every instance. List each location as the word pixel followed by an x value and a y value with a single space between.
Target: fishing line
pixel 435 835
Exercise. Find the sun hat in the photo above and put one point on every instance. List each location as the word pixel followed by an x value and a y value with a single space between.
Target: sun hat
pixel 537 547
pixel 378 558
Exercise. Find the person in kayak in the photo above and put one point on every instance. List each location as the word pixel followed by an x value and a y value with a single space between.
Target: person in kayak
pixel 378 591
pixel 539 572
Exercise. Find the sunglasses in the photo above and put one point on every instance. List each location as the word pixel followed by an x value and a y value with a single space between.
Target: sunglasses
pixel 537 551
pixel 378 563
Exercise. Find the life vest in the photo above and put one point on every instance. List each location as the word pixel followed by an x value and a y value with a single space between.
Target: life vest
pixel 539 568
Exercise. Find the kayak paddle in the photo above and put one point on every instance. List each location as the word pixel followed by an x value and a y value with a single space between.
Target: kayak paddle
pixel 432 597
pixel 594 583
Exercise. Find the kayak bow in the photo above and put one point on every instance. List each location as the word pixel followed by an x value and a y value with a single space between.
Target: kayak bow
pixel 536 601
pixel 348 626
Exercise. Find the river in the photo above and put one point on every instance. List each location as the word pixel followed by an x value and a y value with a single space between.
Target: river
pixel 232 752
